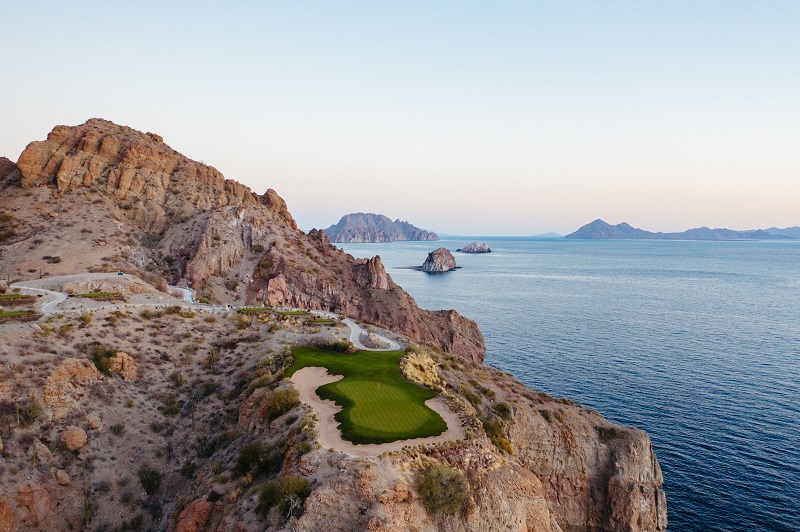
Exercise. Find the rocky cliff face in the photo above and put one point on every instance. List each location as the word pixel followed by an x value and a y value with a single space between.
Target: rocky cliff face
pixel 368 227
pixel 164 214
pixel 438 261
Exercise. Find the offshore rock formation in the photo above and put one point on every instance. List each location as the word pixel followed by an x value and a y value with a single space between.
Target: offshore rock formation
pixel 438 261
pixel 476 247
pixel 368 227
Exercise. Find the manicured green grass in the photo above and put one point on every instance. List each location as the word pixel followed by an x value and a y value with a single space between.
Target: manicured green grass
pixel 15 296
pixel 378 404
pixel 16 314
pixel 99 294
pixel 254 310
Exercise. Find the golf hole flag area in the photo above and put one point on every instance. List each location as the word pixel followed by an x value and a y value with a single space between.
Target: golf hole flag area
pixel 378 404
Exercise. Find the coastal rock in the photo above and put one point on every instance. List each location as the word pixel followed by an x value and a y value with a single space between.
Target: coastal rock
pixel 438 261
pixel 73 438
pixel 476 247
pixel 369 227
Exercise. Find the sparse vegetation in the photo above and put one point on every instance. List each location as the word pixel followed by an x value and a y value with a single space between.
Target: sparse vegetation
pixel 117 429
pixel 288 494
pixel 101 356
pixel 150 480
pixel 281 401
pixel 494 430
pixel 171 406
pixel 443 490
pixel 608 434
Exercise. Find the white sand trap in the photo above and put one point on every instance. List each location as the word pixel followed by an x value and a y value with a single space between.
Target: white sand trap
pixel 307 380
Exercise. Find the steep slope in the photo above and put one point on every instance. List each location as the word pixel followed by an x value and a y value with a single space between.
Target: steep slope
pixel 368 227
pixel 108 197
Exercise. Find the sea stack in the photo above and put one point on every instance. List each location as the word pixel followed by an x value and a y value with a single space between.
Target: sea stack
pixel 476 247
pixel 438 261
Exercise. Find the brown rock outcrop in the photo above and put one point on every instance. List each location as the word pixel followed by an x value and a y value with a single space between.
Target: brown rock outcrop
pixel 9 173
pixel 159 183
pixel 8 516
pixel 194 517
pixel 68 382
pixel 73 438
pixel 124 365
pixel 62 477
pixel 438 261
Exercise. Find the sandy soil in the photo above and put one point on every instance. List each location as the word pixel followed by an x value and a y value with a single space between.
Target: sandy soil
pixel 307 380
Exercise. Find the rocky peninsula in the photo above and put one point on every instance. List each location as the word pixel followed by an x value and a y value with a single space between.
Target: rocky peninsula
pixel 158 413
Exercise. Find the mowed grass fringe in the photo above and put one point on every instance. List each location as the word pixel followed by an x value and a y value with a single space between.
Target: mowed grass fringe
pixel 378 404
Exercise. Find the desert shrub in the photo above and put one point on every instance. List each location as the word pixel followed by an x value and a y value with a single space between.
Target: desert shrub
pixel 494 430
pixel 257 248
pixel 206 389
pixel 546 415
pixel 51 260
pixel 208 445
pixel 281 402
pixel 342 346
pixel 288 494
pixel 86 317
pixel 609 433
pixel 189 469
pixel 467 393
pixel 117 429
pixel 443 490
pixel 29 411
pixel 249 456
pixel 177 378
pixel 150 480
pixel 210 319
pixel 559 415
pixel 134 525
pixel 257 458
pixel 502 410
pixel 173 310
pixel 303 447
pixel 150 314
pixel 171 406
pixel 188 314
pixel 231 284
pixel 212 357
pixel 101 356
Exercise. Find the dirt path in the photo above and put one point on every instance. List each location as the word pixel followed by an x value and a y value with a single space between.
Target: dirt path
pixel 307 380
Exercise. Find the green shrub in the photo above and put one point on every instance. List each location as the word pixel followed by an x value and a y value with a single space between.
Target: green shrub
pixel 559 415
pixel 546 415
pixel 101 356
pixel 304 447
pixel 443 490
pixel 249 457
pixel 117 429
pixel 494 430
pixel 610 433
pixel 288 494
pixel 257 248
pixel 150 480
pixel 177 378
pixel 171 406
pixel 502 410
pixel 189 469
pixel 208 445
pixel 281 402
pixel 29 411
pixel 467 393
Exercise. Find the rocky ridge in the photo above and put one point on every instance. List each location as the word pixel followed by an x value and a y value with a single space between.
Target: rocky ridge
pixel 201 389
pixel 598 230
pixel 368 227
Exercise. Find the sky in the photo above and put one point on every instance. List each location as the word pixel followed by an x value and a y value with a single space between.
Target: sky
pixel 477 118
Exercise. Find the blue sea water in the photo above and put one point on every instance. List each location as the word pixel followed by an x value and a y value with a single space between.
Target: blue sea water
pixel 698 343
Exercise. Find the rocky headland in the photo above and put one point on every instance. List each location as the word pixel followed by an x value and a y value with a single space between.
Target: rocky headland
pixel 159 414
pixel 475 247
pixel 368 227
pixel 438 261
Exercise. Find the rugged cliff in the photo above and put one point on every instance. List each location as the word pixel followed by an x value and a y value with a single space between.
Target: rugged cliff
pixel 161 417
pixel 368 227
pixel 171 216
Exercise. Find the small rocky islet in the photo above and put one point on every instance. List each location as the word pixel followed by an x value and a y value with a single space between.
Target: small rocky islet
pixel 475 247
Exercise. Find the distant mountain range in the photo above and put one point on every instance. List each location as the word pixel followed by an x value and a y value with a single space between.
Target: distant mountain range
pixel 599 229
pixel 368 227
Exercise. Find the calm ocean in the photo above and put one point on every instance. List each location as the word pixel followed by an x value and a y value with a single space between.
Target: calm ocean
pixel 698 343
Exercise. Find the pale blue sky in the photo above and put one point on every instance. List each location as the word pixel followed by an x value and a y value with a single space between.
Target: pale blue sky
pixel 462 117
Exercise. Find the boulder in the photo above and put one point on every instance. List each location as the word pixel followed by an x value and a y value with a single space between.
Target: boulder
pixel 62 477
pixel 93 422
pixel 73 438
pixel 124 365
pixel 438 261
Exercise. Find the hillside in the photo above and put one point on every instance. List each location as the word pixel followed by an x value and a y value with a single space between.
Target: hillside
pixel 367 227
pixel 126 407
pixel 599 229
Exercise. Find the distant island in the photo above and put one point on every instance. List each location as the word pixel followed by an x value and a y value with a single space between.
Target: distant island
pixel 476 247
pixel 599 230
pixel 368 227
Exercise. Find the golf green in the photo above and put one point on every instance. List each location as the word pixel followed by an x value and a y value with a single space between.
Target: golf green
pixel 378 404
